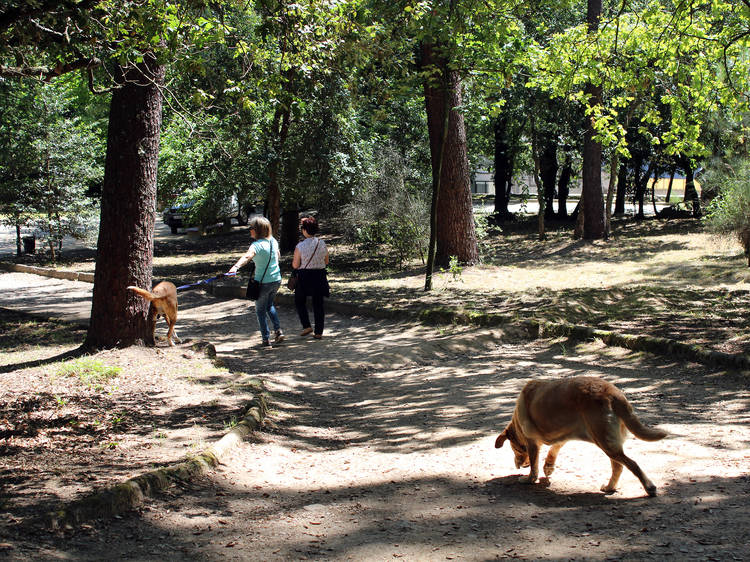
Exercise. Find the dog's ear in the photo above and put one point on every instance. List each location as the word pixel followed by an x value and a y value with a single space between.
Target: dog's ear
pixel 505 435
pixel 500 440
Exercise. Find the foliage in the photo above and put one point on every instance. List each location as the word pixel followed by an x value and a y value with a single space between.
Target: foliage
pixel 51 162
pixel 43 40
pixel 388 211
pixel 667 62
pixel 729 212
pixel 455 269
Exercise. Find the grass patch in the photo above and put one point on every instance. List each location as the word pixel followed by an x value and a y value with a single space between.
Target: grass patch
pixel 90 372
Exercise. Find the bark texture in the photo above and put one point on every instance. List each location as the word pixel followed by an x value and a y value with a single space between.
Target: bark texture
pixel 594 227
pixel 126 235
pixel 455 219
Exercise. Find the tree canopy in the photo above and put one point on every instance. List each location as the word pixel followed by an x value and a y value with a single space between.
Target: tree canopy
pixel 309 104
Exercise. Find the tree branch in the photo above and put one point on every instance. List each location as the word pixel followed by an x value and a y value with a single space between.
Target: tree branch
pixel 26 12
pixel 47 73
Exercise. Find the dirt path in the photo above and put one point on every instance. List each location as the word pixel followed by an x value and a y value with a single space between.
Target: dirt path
pixel 380 446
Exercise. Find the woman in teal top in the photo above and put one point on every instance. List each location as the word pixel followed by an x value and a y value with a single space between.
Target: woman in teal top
pixel 264 252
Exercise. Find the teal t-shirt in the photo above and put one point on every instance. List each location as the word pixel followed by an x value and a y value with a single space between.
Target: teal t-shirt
pixel 265 254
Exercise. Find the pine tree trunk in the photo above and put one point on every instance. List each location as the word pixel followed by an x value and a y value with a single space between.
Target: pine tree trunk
pixel 126 234
pixel 594 227
pixel 622 186
pixel 455 218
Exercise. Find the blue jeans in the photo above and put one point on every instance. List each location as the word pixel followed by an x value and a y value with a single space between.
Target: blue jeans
pixel 264 306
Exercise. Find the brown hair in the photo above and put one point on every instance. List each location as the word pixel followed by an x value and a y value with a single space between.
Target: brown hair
pixel 309 224
pixel 261 226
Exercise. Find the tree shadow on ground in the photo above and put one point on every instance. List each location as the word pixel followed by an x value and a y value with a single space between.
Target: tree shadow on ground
pixel 451 518
pixel 392 392
pixel 395 388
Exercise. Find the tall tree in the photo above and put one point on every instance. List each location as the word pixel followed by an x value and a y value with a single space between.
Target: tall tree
pixel 452 202
pixel 593 204
pixel 125 44
pixel 125 248
pixel 451 38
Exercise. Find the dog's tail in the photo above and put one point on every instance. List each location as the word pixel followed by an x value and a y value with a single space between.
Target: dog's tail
pixel 624 411
pixel 149 296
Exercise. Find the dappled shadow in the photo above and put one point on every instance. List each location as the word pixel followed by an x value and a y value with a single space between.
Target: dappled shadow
pixel 712 318
pixel 426 516
pixel 561 245
pixel 399 389
pixel 392 385
pixel 79 436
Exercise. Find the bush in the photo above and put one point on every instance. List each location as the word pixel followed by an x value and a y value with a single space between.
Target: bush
pixel 729 212
pixel 389 213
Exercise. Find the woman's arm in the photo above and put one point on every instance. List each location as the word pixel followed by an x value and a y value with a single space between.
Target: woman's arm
pixel 297 259
pixel 326 258
pixel 250 254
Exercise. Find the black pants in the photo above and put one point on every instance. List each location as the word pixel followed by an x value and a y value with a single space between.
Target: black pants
pixel 311 283
pixel 300 301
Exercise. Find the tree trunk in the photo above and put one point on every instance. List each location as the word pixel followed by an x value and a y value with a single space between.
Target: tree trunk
pixel 691 194
pixel 455 234
pixel 289 235
pixel 503 169
pixel 563 189
pixel 548 175
pixel 641 185
pixel 540 187
pixel 125 247
pixel 669 186
pixel 613 177
pixel 656 174
pixel 622 187
pixel 280 131
pixel 593 204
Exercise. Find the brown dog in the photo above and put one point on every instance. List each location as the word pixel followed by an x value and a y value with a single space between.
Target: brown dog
pixel 583 408
pixel 163 302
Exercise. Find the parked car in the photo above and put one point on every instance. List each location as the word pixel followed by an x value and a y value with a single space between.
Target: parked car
pixel 231 211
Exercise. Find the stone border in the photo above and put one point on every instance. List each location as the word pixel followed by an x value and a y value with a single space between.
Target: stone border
pixel 130 494
pixel 48 272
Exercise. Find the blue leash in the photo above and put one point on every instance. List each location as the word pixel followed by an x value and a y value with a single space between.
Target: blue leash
pixel 205 281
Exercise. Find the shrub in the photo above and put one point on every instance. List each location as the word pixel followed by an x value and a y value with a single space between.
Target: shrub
pixel 389 213
pixel 729 212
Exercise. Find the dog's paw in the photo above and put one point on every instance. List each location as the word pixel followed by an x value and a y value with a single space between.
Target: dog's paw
pixel 607 489
pixel 549 469
pixel 528 479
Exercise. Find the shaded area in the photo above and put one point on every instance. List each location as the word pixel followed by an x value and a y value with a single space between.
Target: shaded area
pixel 435 397
pixel 495 518
pixel 62 434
